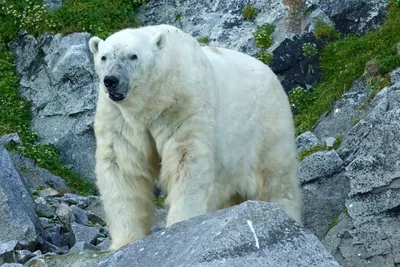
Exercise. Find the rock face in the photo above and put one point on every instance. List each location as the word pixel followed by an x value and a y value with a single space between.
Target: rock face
pixel 223 24
pixel 18 219
pixel 57 76
pixel 371 153
pixel 365 192
pixel 220 21
pixel 250 234
pixel 354 16
pixel 345 113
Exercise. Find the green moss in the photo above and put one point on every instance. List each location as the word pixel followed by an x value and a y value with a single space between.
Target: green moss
pixel 356 121
pixel 263 36
pixel 334 223
pixel 338 142
pixel 320 147
pixel 310 151
pixel 325 32
pixel 178 17
pixel 204 40
pixel 346 212
pixel 343 61
pixel 160 202
pixel 265 57
pixel 39 213
pixel 249 13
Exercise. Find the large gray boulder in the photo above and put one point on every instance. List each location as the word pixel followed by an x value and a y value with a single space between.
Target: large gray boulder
pixel 18 219
pixel 57 76
pixel 250 234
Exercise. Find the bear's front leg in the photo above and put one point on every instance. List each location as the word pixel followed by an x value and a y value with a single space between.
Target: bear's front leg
pixel 188 173
pixel 125 182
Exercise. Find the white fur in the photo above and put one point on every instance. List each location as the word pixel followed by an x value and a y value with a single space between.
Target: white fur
pixel 211 125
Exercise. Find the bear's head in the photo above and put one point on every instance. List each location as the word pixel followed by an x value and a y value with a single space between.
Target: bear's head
pixel 126 61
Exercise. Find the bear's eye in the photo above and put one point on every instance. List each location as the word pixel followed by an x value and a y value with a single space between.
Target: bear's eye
pixel 103 58
pixel 134 57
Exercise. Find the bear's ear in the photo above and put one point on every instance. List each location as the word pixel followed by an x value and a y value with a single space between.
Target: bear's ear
pixel 160 40
pixel 94 43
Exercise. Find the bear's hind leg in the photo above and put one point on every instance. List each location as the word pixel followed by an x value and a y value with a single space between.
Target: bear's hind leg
pixel 283 188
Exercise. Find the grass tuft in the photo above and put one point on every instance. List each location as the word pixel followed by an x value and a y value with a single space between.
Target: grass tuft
pixel 249 13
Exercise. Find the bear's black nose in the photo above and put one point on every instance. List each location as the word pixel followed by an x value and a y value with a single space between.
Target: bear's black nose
pixel 111 82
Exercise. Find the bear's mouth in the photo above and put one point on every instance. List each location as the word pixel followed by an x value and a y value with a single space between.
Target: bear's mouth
pixel 116 97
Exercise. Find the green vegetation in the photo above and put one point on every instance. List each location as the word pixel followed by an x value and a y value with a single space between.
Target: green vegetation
pixel 302 155
pixel 299 98
pixel 249 13
pixel 325 32
pixel 356 121
pixel 309 50
pixel 98 17
pixel 178 17
pixel 338 142
pixel 334 222
pixel 263 35
pixel 343 61
pixel 320 147
pixel 265 57
pixel 374 86
pixel 263 40
pixel 160 201
pixel 204 40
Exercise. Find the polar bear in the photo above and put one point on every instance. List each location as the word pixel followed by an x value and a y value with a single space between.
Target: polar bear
pixel 212 126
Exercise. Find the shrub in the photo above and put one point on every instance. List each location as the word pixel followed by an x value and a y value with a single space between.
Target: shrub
pixel 309 50
pixel 249 13
pixel 265 57
pixel 263 36
pixel 204 40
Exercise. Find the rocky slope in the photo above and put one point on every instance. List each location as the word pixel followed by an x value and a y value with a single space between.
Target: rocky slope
pixel 357 187
pixel 45 224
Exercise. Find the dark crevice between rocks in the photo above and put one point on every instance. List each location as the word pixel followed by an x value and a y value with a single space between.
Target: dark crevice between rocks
pixel 394 184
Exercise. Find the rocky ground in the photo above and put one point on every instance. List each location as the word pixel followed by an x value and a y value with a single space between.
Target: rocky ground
pixel 351 187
